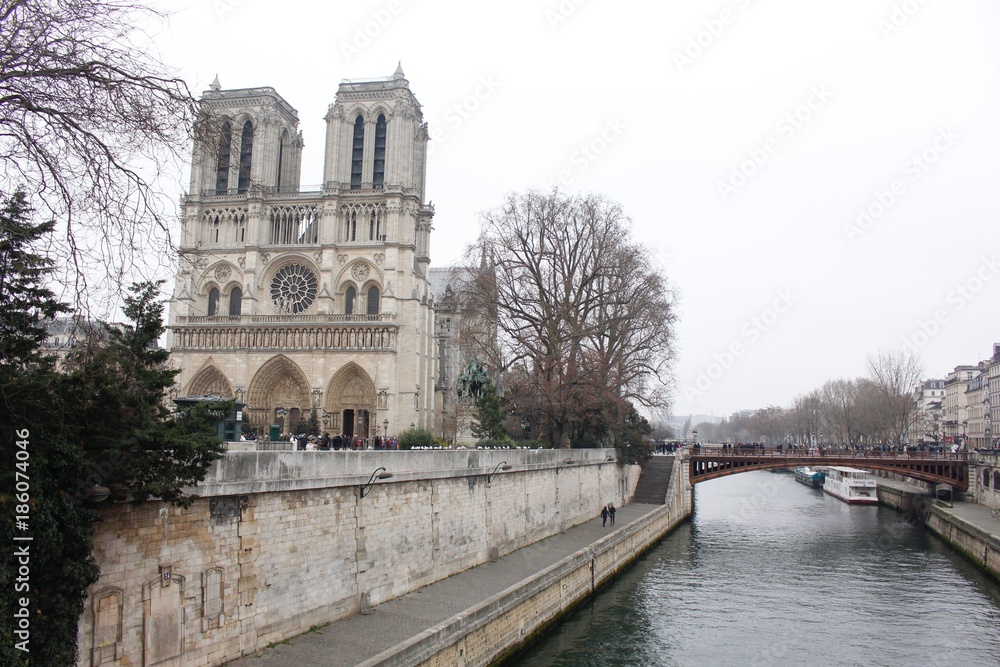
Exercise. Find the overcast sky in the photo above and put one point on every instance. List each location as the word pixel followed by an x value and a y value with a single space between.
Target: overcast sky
pixel 818 180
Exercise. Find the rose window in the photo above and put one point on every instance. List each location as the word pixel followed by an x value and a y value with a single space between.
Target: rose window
pixel 293 289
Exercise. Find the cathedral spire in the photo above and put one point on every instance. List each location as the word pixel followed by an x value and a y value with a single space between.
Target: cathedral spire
pixel 398 74
pixel 215 86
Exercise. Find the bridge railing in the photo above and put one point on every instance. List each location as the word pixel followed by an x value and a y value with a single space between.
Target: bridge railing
pixel 817 453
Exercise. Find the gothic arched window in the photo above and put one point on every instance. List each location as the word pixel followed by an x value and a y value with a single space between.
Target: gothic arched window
pixel 349 296
pixel 996 480
pixel 222 162
pixel 373 300
pixel 357 152
pixel 246 156
pixel 235 301
pixel 378 175
pixel 213 302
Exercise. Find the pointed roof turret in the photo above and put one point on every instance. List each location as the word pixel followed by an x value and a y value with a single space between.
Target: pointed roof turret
pixel 398 74
pixel 215 86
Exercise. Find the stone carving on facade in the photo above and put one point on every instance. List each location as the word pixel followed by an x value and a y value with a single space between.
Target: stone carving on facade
pixel 265 258
pixel 342 259
pixel 222 272
pixel 379 258
pixel 318 256
pixel 242 261
pixel 361 271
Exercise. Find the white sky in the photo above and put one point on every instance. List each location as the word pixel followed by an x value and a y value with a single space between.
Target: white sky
pixel 536 82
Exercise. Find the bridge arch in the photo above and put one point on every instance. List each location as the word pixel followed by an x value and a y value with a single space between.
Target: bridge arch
pixel 934 467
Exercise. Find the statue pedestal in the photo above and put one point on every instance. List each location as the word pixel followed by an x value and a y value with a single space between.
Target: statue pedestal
pixel 465 420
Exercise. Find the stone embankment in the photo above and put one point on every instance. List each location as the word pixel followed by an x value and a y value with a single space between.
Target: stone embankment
pixel 280 542
pixel 971 528
pixel 488 612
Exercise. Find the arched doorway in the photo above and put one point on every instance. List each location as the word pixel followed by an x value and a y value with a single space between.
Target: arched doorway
pixel 350 401
pixel 279 394
pixel 209 380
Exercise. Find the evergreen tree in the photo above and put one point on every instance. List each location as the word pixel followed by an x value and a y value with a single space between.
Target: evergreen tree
pixel 102 423
pixel 45 470
pixel 490 414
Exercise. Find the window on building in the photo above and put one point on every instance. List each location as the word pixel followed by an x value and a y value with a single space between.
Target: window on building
pixel 378 175
pixel 351 233
pixel 986 479
pixel 357 152
pixel 246 157
pixel 996 480
pixel 373 300
pixel 349 296
pixel 222 162
pixel 107 626
pixel 235 301
pixel 212 598
pixel 213 302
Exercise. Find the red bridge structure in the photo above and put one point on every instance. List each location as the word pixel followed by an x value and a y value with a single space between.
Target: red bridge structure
pixel 936 467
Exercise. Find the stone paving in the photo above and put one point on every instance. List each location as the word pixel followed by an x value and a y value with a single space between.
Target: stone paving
pixel 353 640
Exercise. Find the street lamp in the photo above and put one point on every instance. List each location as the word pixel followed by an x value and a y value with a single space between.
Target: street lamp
pixel 380 473
pixel 500 466
pixel 385 429
pixel 566 462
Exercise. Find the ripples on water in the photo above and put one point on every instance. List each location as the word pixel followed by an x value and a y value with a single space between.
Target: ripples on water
pixel 771 572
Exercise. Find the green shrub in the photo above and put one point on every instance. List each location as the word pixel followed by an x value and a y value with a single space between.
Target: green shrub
pixel 416 437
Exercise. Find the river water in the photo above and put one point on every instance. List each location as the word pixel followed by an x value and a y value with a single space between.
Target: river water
pixel 772 572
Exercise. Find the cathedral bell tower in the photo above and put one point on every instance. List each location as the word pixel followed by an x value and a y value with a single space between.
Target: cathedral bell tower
pixel 313 308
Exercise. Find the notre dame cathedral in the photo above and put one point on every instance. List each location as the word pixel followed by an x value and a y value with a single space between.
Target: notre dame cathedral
pixel 299 303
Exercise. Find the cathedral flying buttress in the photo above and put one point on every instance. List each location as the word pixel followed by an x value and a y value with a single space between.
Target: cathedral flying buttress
pixel 310 302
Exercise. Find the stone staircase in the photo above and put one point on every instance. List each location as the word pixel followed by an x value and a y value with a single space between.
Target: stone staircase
pixel 653 482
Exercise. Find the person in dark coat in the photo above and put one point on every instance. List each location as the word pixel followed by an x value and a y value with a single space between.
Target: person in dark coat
pixel 604 516
pixel 611 512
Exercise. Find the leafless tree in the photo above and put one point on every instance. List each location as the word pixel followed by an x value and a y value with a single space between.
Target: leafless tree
pixel 839 409
pixel 575 307
pixel 88 119
pixel 893 376
pixel 806 415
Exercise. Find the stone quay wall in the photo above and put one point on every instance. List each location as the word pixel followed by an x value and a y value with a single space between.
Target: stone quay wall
pixel 984 478
pixel 502 625
pixel 282 541
pixel 980 547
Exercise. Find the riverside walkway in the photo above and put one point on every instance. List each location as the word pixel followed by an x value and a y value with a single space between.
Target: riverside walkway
pixel 368 639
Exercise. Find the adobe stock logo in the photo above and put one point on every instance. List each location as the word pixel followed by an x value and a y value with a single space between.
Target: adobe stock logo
pixel 957 298
pixel 712 30
pixel 913 169
pixel 786 127
pixel 370 30
pixel 750 333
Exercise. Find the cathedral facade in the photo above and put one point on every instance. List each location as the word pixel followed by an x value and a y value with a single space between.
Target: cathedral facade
pixel 310 303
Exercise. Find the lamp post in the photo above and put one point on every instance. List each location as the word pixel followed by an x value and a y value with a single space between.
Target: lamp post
pixel 566 462
pixel 380 473
pixel 500 466
pixel 385 429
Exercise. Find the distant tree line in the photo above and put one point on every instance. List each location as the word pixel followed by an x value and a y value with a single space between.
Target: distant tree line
pixel 876 409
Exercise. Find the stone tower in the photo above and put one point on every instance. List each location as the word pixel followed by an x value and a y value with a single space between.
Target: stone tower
pixel 301 303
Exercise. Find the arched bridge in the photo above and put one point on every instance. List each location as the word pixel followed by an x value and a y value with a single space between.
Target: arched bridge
pixel 935 467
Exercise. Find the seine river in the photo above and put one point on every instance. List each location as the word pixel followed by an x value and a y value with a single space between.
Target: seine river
pixel 772 572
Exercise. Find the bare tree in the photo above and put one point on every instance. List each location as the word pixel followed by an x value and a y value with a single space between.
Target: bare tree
pixel 88 118
pixel 839 408
pixel 893 376
pixel 575 307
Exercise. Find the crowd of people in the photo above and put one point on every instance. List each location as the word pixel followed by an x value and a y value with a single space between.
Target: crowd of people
pixel 302 442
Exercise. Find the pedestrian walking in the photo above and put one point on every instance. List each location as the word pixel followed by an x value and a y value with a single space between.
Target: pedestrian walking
pixel 611 513
pixel 604 516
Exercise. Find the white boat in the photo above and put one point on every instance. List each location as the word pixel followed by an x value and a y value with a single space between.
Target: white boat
pixel 851 485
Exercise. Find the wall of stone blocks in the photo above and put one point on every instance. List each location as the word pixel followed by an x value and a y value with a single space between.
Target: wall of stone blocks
pixel 501 625
pixel 292 545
